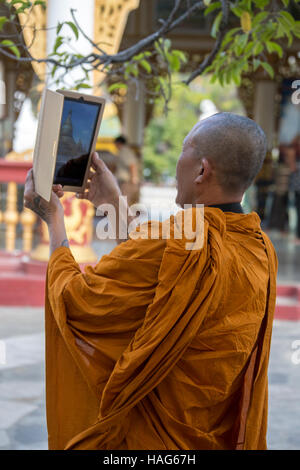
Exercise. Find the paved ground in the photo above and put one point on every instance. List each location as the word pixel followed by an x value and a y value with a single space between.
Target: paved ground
pixel 22 401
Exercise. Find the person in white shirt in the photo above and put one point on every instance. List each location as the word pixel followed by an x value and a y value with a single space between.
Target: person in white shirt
pixel 127 169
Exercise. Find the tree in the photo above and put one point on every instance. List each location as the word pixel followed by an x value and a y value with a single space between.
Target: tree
pixel 164 134
pixel 246 32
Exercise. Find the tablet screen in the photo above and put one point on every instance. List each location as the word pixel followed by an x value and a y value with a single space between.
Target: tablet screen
pixel 78 125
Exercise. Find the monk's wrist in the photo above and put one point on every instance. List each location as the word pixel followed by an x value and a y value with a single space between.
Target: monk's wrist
pixel 56 218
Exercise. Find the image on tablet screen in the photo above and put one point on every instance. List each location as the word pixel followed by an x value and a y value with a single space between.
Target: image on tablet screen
pixel 78 123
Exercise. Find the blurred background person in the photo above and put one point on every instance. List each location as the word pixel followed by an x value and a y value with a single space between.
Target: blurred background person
pixel 127 172
pixel 295 181
pixel 110 160
pixel 262 184
pixel 279 217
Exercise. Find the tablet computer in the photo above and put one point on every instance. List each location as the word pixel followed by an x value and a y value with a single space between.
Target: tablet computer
pixel 67 132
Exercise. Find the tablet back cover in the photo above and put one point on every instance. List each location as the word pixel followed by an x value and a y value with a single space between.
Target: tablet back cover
pixel 44 156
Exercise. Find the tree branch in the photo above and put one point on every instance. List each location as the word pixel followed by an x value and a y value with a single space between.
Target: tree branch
pixel 120 57
pixel 211 56
pixel 145 43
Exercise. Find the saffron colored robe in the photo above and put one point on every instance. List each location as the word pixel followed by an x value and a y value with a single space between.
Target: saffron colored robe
pixel 149 348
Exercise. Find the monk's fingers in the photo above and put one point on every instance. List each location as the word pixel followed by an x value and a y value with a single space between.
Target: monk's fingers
pixel 29 192
pixel 29 183
pixel 58 190
pixel 84 195
pixel 29 175
pixel 97 164
pixel 91 173
pixel 56 187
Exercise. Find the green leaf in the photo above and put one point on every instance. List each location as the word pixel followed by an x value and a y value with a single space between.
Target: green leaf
pixel 145 64
pixel 227 76
pixel 221 78
pixel 216 25
pixel 258 48
pixel 259 18
pixel 174 62
pixel 285 24
pixel 236 75
pixel 83 85
pixel 274 47
pixel 20 10
pixel 289 18
pixel 297 29
pixel 138 57
pixel 54 68
pixel 162 82
pixel 249 47
pixel 241 41
pixel 280 31
pixel 286 29
pixel 268 68
pixel 158 47
pixel 237 11
pixel 219 61
pixel 40 2
pixel 117 86
pixel 261 3
pixel 248 5
pixel 3 20
pixel 58 28
pixel 74 28
pixel 229 36
pixel 167 44
pixel 208 69
pixel 214 78
pixel 290 39
pixel 58 43
pixel 286 2
pixel 226 41
pixel 181 55
pixel 212 7
pixel 134 70
pixel 256 64
pixel 233 31
pixel 10 45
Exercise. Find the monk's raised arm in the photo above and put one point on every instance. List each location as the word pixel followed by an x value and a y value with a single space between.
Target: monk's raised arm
pixel 116 291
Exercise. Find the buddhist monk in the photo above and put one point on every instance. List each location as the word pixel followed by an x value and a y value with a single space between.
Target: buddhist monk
pixel 160 345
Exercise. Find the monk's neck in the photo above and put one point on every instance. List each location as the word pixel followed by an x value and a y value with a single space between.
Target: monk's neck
pixel 218 201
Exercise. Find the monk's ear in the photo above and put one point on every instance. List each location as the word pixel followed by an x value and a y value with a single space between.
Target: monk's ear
pixel 204 171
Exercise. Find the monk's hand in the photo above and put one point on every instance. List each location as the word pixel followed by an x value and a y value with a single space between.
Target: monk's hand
pixel 48 211
pixel 102 186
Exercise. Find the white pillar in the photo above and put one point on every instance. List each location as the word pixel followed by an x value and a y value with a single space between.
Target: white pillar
pixel 134 115
pixel 264 108
pixel 58 11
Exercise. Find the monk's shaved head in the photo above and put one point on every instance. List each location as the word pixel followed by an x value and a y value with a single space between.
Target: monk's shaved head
pixel 234 144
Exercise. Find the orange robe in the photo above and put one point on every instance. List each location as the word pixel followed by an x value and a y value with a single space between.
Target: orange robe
pixel 149 348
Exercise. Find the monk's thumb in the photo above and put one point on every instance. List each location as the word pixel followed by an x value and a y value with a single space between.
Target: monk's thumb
pixel 97 163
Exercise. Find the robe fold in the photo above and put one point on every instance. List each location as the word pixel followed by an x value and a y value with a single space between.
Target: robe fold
pixel 149 349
